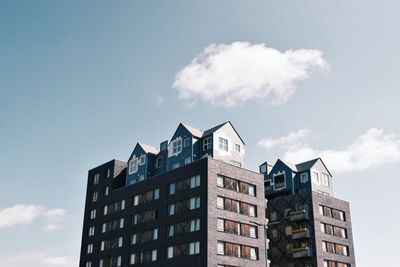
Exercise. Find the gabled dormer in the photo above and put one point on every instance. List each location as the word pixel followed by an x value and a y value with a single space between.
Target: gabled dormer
pixel 181 148
pixel 280 179
pixel 223 142
pixel 316 175
pixel 140 163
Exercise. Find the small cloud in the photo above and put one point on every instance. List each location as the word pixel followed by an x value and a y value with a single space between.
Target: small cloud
pixel 232 74
pixel 292 139
pixel 21 214
pixel 373 149
pixel 51 227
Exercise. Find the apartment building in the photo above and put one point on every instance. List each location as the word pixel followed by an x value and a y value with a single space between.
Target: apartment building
pixel 189 202
pixel 307 226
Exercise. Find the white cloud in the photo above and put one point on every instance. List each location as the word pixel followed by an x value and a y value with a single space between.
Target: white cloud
pixel 21 214
pixel 373 149
pixel 42 258
pixel 289 140
pixel 232 74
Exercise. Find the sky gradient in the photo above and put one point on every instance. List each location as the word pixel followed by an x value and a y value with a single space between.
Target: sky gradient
pixel 82 81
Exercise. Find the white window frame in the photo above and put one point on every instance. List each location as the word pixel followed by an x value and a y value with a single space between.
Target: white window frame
pixel 237 148
pixel 142 159
pixel 304 177
pixel 133 165
pixel 93 214
pixel 96 178
pixel 176 146
pixel 223 144
pixel 284 177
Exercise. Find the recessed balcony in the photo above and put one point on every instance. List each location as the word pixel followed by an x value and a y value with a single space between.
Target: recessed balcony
pixel 301 233
pixel 298 215
pixel 302 252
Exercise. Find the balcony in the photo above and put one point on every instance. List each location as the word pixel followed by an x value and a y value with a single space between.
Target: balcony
pixel 298 215
pixel 302 252
pixel 301 233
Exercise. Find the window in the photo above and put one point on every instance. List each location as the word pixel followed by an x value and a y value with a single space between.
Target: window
pixel 108 173
pixel 332 213
pixel 186 142
pixel 146 197
pixel 112 225
pixel 96 178
pixel 106 190
pixel 144 236
pixel 329 263
pixel 188 160
pixel 110 262
pixel 207 144
pixel 304 177
pixel 111 243
pixel 333 230
pixel 91 231
pixel 279 181
pixel 114 207
pixel 94 196
pixel 236 206
pixel 184 205
pixel 236 185
pixel 183 227
pixel 183 249
pixel 223 144
pixel 237 228
pixel 237 250
pixel 159 162
pixel 93 214
pixel 145 216
pixel 267 184
pixel 90 249
pixel 237 148
pixel 185 184
pixel 88 264
pixel 335 248
pixel 273 216
pixel 133 165
pixel 142 159
pixel 325 180
pixel 176 146
pixel 143 256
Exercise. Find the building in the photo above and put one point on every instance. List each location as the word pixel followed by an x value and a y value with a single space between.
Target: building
pixel 307 226
pixel 189 202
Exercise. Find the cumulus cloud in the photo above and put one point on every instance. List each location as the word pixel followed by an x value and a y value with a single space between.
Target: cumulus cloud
pixel 232 74
pixel 21 214
pixel 292 139
pixel 372 149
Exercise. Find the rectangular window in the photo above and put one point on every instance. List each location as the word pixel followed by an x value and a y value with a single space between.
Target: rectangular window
pixel 94 196
pixel 184 205
pixel 143 257
pixel 237 228
pixel 223 144
pixel 133 165
pixel 236 185
pixel 325 179
pixel 185 184
pixel 304 177
pixel 183 227
pixel 279 181
pixel 96 178
pixel 111 243
pixel 237 148
pixel 144 236
pixel 188 160
pixel 110 262
pixel 192 248
pixel 207 144
pixel 177 146
pixel 106 190
pixel 142 159
pixel 236 206
pixel 91 231
pixel 332 213
pixel 93 214
pixel 114 207
pixel 146 197
pixel 108 173
pixel 90 249
pixel 145 216
pixel 237 250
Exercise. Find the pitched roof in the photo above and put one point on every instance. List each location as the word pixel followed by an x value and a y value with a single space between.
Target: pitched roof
pixel 210 131
pixel 149 149
pixel 290 165
pixel 194 131
pixel 306 165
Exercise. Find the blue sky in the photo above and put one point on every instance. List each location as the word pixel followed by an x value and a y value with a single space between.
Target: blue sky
pixel 82 82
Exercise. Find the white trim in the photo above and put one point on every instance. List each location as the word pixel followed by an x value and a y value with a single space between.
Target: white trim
pixel 273 178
